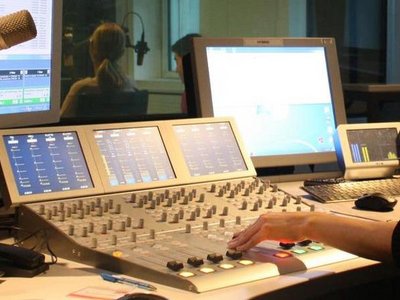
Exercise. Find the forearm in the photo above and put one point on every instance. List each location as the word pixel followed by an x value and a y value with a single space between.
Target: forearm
pixel 364 238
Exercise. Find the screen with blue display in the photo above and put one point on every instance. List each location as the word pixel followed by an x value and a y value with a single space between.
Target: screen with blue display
pixel 47 162
pixel 25 71
pixel 209 149
pixel 133 155
pixel 280 97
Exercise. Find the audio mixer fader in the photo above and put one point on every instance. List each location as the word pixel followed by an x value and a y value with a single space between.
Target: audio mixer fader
pixel 177 236
pixel 156 200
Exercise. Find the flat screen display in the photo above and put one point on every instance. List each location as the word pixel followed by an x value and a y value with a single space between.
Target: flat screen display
pixel 30 71
pixel 285 95
pixel 25 69
pixel 47 162
pixel 372 145
pixel 209 149
pixel 279 96
pixel 133 155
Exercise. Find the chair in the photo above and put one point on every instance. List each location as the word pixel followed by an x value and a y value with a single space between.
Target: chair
pixel 112 106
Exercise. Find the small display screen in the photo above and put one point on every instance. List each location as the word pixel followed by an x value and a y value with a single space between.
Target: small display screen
pixel 210 148
pixel 47 162
pixel 371 145
pixel 133 155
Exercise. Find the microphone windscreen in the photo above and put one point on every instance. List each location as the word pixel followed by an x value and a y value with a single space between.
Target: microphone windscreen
pixel 16 28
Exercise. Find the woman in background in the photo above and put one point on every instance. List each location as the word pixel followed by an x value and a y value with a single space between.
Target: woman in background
pixel 106 47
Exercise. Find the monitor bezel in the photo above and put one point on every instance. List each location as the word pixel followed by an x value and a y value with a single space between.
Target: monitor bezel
pixel 204 98
pixel 363 170
pixel 51 116
pixel 10 193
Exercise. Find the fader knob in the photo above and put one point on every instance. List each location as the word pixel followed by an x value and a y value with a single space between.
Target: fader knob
pixel 270 204
pixel 195 261
pixel 128 221
pixel 213 188
pixel 244 205
pixel 233 254
pixel 133 237
pixel 141 223
pixel 286 246
pixel 205 225
pixel 71 229
pixel 192 216
pixel 175 218
pixel 163 217
pixel 214 257
pixel 225 211
pixel 304 243
pixel 133 198
pixel 93 243
pixel 175 265
pixel 209 213
pixel 238 220
pixel 201 198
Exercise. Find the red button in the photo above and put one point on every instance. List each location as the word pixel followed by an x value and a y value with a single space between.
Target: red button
pixel 282 254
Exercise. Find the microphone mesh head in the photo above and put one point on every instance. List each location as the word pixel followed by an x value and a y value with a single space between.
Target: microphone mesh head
pixel 17 28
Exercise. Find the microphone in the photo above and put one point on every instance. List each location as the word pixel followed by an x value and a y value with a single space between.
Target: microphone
pixel 141 49
pixel 16 28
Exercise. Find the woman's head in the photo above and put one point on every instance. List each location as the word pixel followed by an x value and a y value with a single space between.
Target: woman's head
pixel 107 45
pixel 107 42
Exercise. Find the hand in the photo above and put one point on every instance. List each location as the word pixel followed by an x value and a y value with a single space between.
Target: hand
pixel 283 227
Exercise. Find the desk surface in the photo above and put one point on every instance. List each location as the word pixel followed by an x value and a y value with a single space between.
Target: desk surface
pixel 66 279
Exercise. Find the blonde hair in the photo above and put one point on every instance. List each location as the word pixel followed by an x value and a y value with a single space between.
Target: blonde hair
pixel 107 45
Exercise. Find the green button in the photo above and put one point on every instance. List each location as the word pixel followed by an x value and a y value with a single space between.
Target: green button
pixel 316 248
pixel 299 251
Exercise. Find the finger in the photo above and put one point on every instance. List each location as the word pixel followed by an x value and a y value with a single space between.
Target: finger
pixel 251 242
pixel 246 234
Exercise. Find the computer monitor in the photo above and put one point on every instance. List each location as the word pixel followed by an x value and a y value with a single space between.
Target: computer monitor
pixel 30 72
pixel 285 94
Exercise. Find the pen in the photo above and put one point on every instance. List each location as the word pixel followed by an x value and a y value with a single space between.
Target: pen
pixel 139 284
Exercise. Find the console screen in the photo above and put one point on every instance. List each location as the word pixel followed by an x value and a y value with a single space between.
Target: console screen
pixel 47 162
pixel 133 155
pixel 370 145
pixel 209 148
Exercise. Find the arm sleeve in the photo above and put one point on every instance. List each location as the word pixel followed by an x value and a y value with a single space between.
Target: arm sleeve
pixel 396 244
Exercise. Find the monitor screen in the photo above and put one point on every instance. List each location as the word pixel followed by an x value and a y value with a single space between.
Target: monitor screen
pixel 209 148
pixel 30 71
pixel 284 93
pixel 133 155
pixel 47 162
pixel 368 150
pixel 369 145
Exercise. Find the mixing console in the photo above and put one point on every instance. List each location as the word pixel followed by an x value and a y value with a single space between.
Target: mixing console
pixel 175 236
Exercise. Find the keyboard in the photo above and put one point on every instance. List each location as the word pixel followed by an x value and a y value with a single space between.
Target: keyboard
pixel 352 190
